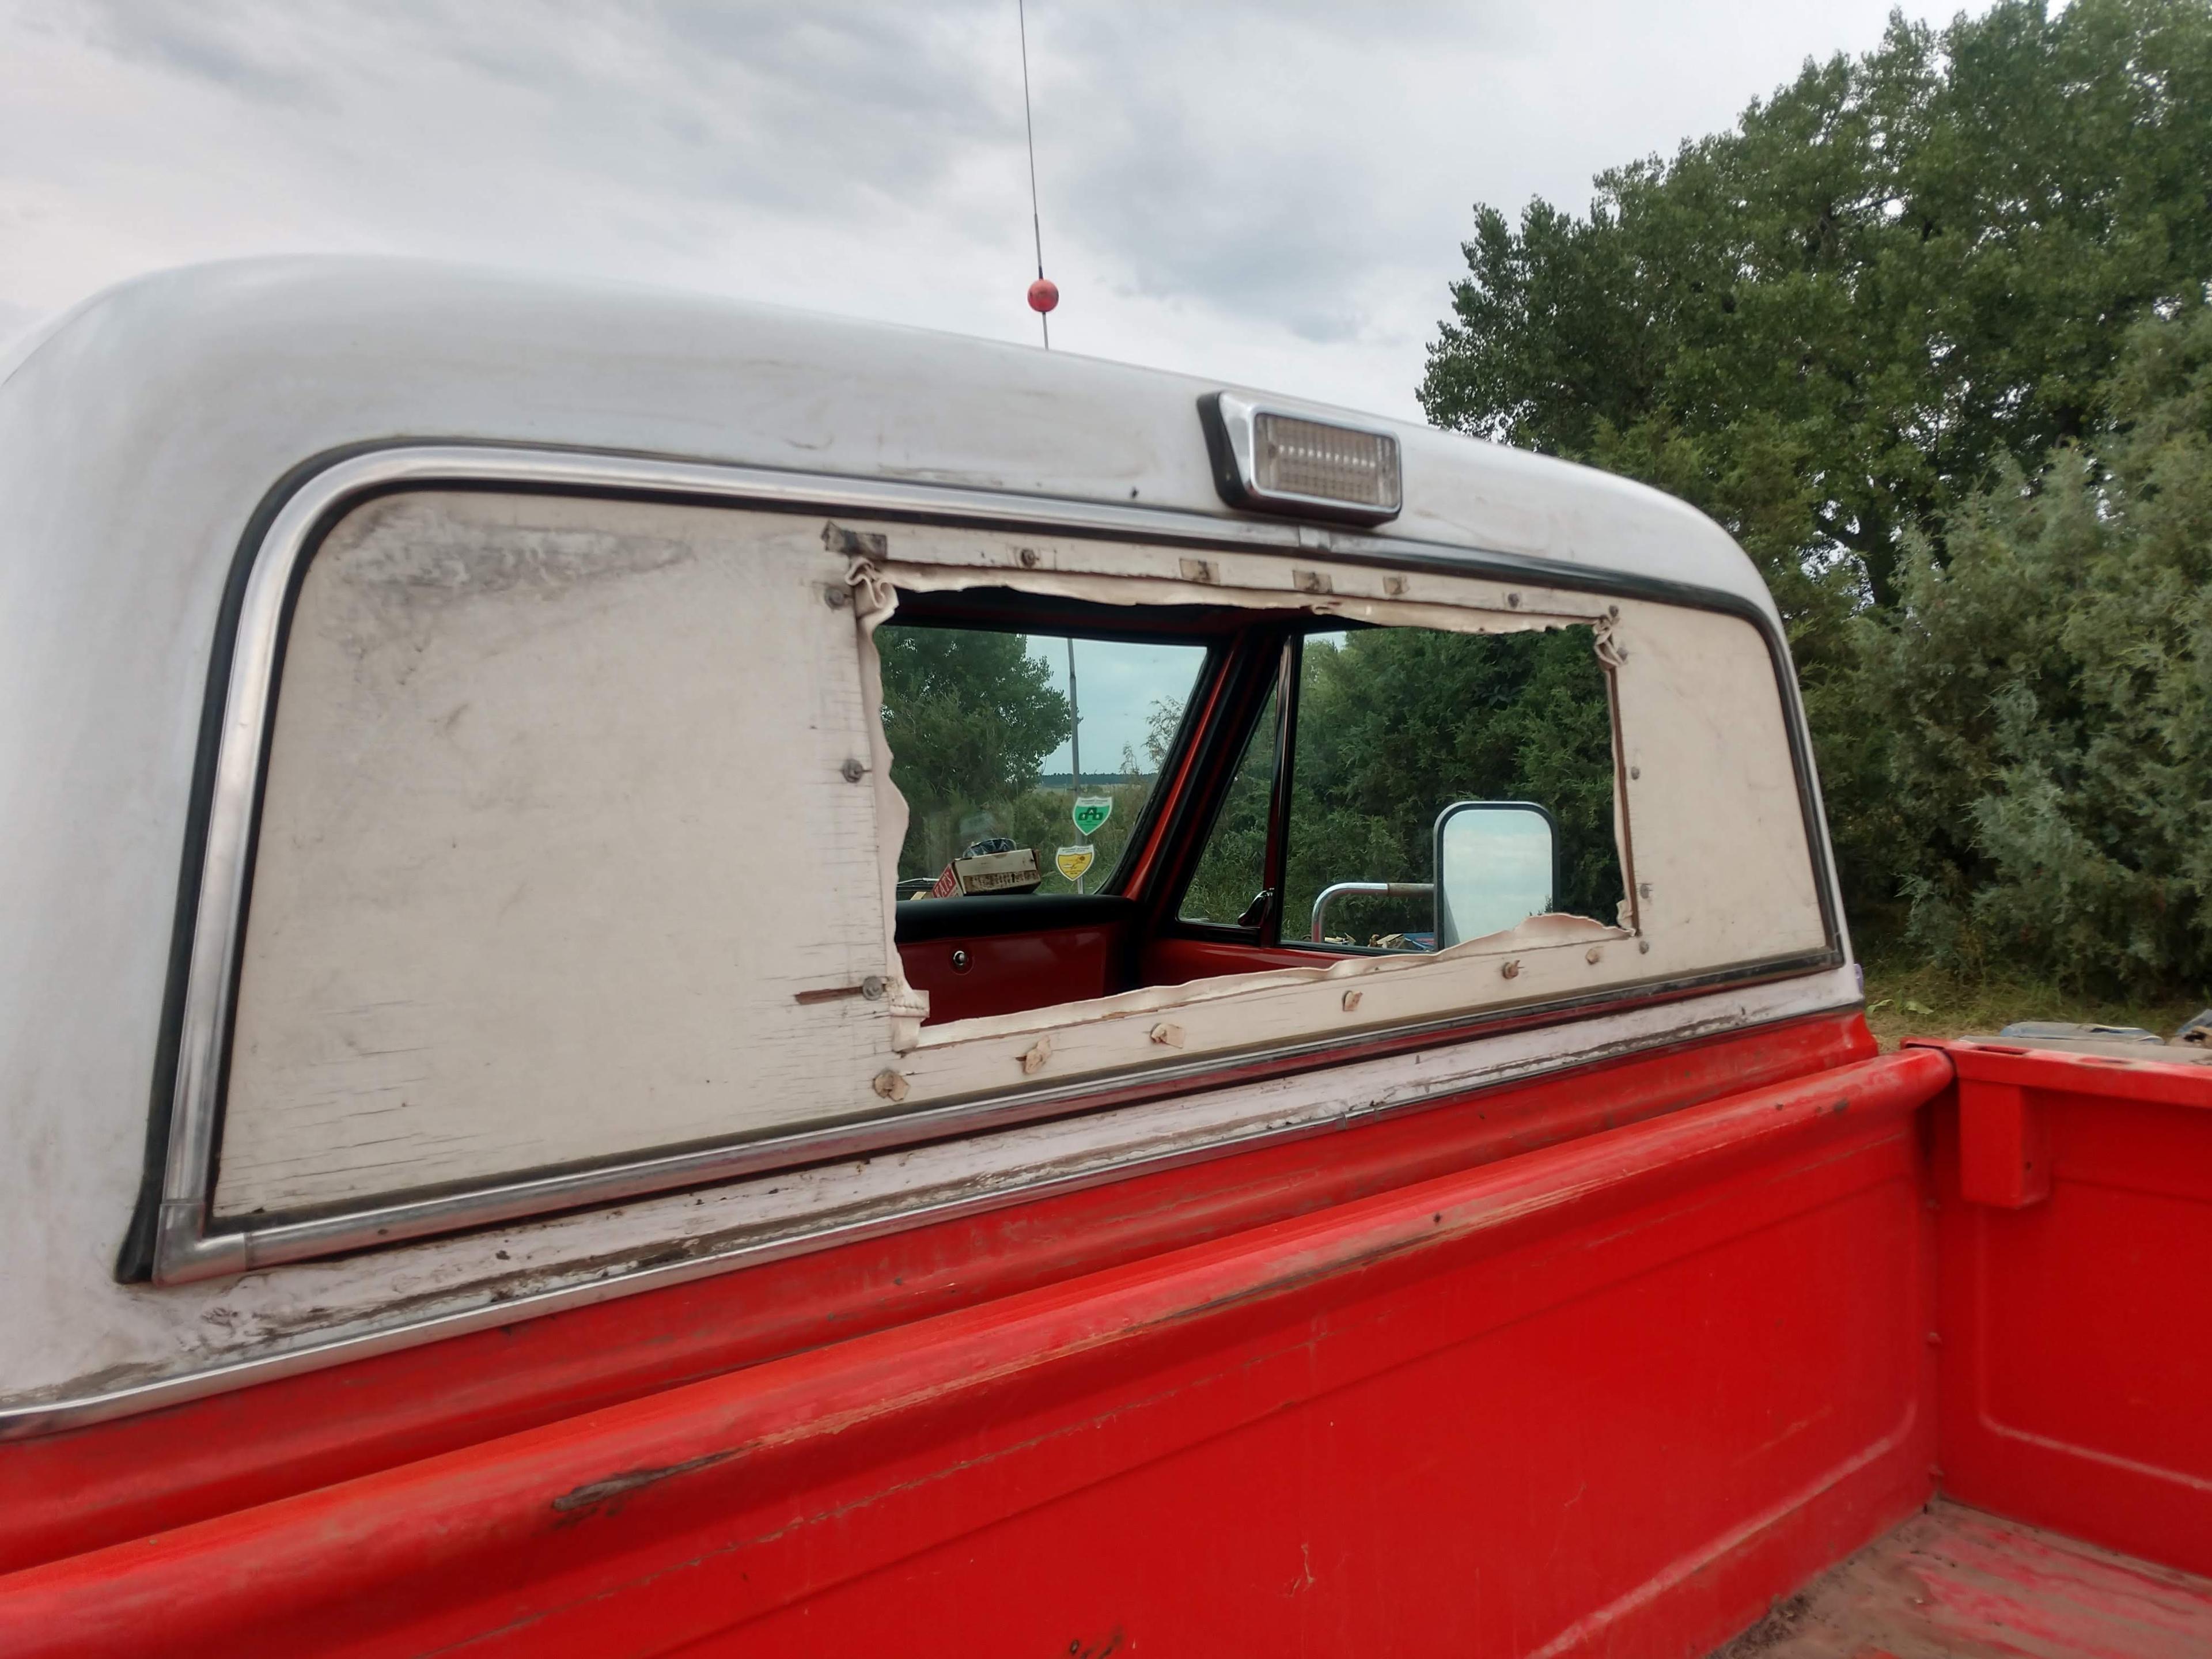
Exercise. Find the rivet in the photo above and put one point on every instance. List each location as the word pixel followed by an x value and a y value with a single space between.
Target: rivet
pixel 852 771
pixel 1643 889
pixel 1593 953
pixel 960 961
pixel 1510 970
pixel 1643 947
pixel 1351 1002
pixel 1027 556
pixel 1635 772
pixel 892 1086
pixel 837 598
pixel 1513 601
pixel 873 987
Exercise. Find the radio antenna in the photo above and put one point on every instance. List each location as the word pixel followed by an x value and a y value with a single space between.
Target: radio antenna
pixel 1043 296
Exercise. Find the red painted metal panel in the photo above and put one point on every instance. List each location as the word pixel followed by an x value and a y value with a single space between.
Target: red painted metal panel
pixel 1177 959
pixel 2004 1144
pixel 1007 973
pixel 2077 1333
pixel 121 1480
pixel 1607 1397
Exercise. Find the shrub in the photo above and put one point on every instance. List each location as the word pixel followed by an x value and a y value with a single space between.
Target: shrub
pixel 2032 764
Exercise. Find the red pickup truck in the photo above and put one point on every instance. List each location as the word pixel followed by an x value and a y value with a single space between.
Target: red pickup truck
pixel 518 1146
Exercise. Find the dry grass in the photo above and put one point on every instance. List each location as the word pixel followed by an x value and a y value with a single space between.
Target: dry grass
pixel 1906 998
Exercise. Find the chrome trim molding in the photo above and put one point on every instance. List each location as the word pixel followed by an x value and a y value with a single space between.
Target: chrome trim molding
pixel 1337 889
pixel 189 1242
pixel 1230 1121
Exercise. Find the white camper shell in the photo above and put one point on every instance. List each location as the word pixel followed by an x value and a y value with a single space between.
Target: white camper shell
pixel 451 835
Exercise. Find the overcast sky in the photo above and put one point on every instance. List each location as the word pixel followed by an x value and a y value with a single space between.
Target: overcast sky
pixel 1269 192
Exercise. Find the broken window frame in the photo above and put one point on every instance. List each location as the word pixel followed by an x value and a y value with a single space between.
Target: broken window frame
pixel 172 1239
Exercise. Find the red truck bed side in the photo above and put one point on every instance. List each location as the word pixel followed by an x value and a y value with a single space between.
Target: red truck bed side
pixel 1613 1396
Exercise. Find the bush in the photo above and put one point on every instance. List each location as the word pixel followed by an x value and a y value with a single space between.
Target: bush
pixel 2031 762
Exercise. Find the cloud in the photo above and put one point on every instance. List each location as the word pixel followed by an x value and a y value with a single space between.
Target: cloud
pixel 1273 193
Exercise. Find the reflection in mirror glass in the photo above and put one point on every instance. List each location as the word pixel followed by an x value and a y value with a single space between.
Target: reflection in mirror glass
pixel 1495 868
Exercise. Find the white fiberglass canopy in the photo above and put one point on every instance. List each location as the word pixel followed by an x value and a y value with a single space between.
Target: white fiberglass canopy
pixel 148 438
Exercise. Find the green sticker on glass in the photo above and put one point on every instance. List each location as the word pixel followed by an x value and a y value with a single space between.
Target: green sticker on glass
pixel 1090 812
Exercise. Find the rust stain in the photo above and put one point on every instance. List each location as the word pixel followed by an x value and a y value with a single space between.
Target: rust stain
pixel 860 543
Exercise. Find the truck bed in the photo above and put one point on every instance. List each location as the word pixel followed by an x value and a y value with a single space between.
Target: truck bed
pixel 1612 1395
pixel 1954 1583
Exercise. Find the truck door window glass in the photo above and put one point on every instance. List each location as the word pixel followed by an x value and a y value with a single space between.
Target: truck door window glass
pixel 1397 724
pixel 1234 867
pixel 1019 778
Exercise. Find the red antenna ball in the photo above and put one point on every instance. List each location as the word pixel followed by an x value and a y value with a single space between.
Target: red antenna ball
pixel 1045 294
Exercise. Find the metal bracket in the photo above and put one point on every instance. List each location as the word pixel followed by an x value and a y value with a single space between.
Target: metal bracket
pixel 2004 1145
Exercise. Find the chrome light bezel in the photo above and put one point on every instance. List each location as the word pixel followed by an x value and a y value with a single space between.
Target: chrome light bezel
pixel 1232 422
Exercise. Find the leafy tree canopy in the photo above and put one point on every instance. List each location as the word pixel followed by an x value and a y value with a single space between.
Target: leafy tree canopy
pixel 1893 279
pixel 2034 772
pixel 1396 724
pixel 969 715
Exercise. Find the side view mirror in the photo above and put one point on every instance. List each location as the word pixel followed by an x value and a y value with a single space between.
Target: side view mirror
pixel 1497 864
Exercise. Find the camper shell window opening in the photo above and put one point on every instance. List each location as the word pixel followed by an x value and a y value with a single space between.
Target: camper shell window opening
pixel 1393 726
pixel 1390 729
pixel 1274 783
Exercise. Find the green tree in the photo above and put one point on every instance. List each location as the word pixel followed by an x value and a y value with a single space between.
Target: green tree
pixel 1396 724
pixel 1852 328
pixel 1833 323
pixel 2046 697
pixel 969 715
